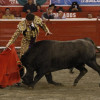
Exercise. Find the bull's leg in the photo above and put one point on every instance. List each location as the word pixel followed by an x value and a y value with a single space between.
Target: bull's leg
pixel 50 80
pixel 93 64
pixel 28 78
pixel 83 71
pixel 36 79
pixel 71 70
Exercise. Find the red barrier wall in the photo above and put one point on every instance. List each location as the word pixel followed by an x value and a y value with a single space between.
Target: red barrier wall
pixel 62 30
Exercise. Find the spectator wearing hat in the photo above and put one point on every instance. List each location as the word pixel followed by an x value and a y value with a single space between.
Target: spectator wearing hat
pixel 75 7
pixel 48 14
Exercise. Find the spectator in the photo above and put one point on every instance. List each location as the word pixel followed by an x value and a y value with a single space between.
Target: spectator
pixel 75 7
pixel 39 8
pixel 53 7
pixel 60 15
pixel 48 14
pixel 60 9
pixel 29 7
pixel 8 15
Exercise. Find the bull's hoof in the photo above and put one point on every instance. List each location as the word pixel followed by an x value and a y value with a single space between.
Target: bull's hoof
pixel 30 87
pixel 57 84
pixel 25 83
pixel 99 84
pixel 74 84
pixel 18 84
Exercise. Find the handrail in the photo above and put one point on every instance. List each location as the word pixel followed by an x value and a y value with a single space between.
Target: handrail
pixel 67 19
pixel 20 47
pixel 15 47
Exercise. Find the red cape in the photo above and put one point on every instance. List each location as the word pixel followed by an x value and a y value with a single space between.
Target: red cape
pixel 9 70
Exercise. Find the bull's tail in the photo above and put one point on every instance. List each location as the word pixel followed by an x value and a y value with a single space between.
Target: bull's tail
pixel 93 44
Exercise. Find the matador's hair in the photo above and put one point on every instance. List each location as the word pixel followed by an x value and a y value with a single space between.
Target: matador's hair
pixel 30 17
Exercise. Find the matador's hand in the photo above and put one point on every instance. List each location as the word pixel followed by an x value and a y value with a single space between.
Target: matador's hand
pixel 48 33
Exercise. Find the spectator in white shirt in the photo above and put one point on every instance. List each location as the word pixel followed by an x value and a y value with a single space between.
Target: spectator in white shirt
pixel 60 15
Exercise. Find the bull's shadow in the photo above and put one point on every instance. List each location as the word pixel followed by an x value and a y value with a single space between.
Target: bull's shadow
pixel 47 56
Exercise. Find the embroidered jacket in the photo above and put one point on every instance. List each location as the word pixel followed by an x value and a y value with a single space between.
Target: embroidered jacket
pixel 21 27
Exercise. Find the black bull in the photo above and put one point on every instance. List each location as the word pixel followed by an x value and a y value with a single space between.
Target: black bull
pixel 47 56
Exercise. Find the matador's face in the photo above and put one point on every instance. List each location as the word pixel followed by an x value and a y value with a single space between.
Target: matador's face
pixel 28 23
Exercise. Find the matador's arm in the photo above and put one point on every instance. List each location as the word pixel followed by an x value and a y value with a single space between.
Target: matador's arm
pixel 39 22
pixel 14 37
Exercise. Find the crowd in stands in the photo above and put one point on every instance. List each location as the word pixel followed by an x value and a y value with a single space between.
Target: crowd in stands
pixel 30 7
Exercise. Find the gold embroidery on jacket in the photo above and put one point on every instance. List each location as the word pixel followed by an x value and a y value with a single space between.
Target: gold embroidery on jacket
pixel 30 33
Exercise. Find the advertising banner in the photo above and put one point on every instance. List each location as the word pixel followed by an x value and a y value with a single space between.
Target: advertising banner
pixel 47 2
pixel 80 2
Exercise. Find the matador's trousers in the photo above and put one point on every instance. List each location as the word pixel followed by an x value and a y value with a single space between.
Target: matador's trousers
pixel 25 44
